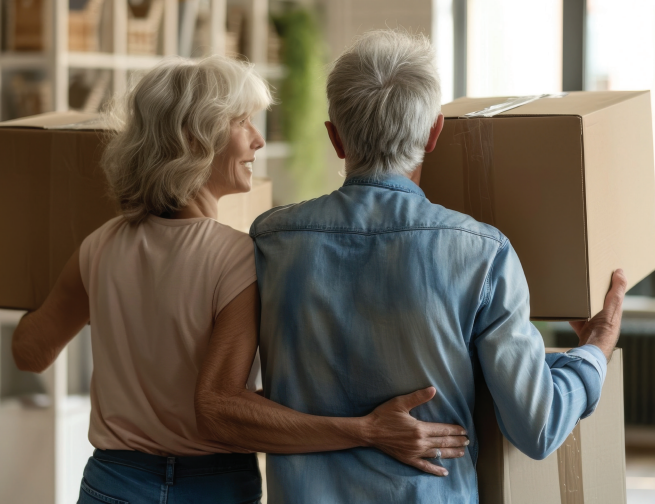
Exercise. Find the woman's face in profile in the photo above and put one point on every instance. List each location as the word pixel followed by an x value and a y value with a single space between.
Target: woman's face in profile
pixel 232 169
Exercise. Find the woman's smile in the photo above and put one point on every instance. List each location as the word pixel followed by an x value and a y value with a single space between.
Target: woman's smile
pixel 248 164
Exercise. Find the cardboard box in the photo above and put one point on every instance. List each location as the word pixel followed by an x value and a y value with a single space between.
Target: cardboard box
pixel 588 468
pixel 570 181
pixel 53 193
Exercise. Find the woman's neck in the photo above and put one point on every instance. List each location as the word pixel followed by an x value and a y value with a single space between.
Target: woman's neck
pixel 205 204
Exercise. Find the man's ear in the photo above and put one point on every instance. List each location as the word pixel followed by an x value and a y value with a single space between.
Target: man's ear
pixel 335 139
pixel 435 131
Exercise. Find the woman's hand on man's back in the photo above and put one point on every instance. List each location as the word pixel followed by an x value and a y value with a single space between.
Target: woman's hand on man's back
pixel 391 429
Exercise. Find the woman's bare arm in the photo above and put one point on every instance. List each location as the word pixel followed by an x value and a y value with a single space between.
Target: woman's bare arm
pixel 229 413
pixel 42 334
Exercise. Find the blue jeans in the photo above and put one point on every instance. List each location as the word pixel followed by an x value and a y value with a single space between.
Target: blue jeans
pixel 131 477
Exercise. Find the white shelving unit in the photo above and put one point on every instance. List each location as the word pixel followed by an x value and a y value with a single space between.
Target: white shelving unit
pixel 56 60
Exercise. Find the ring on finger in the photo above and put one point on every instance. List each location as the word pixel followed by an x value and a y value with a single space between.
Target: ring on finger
pixel 438 454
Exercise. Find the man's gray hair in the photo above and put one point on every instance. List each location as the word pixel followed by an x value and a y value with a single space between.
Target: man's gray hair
pixel 384 96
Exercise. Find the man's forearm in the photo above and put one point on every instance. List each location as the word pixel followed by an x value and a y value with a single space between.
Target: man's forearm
pixel 245 421
pixel 539 427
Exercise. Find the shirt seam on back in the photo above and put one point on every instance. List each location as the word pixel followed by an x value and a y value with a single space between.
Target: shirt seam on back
pixel 384 231
pixel 393 187
pixel 487 280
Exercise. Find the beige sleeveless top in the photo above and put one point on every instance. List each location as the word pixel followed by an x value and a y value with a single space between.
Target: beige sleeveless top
pixel 155 290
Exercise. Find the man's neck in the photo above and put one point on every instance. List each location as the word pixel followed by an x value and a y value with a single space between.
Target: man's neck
pixel 415 176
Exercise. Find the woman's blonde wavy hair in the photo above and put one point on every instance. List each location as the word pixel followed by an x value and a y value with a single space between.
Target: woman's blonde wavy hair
pixel 165 132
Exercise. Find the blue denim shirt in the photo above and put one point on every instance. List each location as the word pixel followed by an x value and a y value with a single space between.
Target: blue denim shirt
pixel 372 292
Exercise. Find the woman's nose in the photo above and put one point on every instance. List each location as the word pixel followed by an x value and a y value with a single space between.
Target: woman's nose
pixel 259 141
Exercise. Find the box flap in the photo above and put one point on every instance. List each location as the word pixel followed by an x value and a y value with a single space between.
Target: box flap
pixel 619 187
pixel 576 103
pixel 56 120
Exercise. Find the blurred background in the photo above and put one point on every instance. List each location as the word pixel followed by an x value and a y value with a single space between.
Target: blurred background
pixel 75 54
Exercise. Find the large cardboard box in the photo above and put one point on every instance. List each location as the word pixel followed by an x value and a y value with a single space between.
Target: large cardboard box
pixel 588 468
pixel 53 194
pixel 569 180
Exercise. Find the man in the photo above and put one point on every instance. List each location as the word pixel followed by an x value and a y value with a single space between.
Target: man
pixel 372 291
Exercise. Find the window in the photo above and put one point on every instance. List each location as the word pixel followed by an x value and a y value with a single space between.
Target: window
pixel 620 51
pixel 514 47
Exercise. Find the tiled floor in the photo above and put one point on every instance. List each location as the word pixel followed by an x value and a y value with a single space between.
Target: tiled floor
pixel 640 475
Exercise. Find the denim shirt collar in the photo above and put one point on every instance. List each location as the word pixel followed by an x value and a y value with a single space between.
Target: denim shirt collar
pixel 393 182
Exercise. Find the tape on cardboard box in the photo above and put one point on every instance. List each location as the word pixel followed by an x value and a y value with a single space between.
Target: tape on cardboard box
pixel 569 464
pixel 476 138
pixel 509 104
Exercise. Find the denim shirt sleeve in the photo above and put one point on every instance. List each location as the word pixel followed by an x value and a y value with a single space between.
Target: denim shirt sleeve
pixel 538 398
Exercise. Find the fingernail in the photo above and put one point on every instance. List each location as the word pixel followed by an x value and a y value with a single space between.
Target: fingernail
pixel 463 433
pixel 466 443
pixel 445 473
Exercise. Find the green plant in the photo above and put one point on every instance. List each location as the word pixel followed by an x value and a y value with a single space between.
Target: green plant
pixel 302 97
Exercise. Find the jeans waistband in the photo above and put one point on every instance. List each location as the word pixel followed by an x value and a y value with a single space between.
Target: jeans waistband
pixel 180 466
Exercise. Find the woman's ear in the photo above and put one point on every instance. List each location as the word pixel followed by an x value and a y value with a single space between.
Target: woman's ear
pixel 335 139
pixel 435 131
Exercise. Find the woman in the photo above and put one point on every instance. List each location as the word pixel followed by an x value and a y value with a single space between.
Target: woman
pixel 160 282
